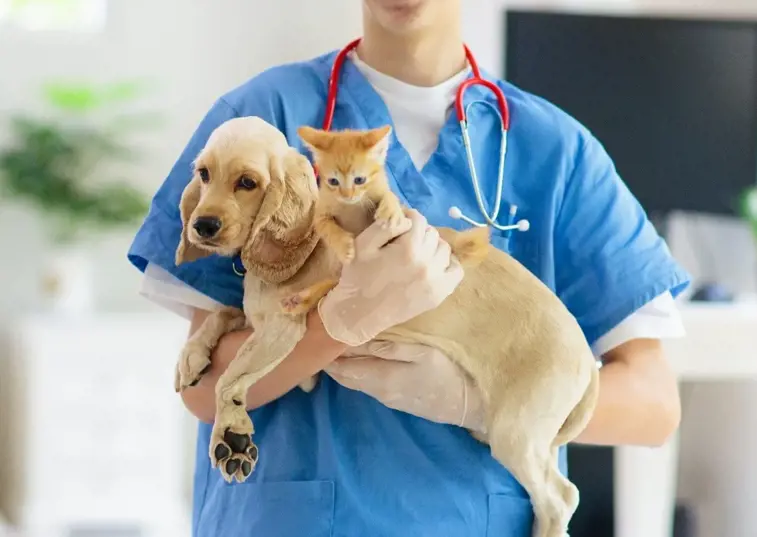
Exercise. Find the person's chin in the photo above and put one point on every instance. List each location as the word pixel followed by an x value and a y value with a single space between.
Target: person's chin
pixel 402 17
pixel 406 24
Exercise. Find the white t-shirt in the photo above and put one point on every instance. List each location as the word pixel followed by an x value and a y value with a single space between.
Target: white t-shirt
pixel 419 113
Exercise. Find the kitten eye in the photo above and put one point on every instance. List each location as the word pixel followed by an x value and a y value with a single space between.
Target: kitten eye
pixel 245 183
pixel 359 180
pixel 204 175
pixel 333 181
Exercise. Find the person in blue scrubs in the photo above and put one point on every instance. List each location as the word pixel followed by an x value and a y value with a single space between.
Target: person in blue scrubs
pixel 377 449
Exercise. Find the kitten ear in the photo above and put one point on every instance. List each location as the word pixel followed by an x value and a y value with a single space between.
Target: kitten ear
pixel 376 141
pixel 315 139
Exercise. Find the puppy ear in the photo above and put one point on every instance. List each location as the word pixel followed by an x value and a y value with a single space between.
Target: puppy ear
pixel 186 251
pixel 376 141
pixel 315 139
pixel 286 217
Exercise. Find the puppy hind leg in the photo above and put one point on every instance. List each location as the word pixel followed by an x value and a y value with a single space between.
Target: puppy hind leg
pixel 515 447
pixel 566 492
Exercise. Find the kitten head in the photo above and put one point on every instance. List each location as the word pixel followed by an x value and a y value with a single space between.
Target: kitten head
pixel 350 162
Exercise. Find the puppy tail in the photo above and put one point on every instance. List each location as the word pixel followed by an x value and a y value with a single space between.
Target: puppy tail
pixel 471 246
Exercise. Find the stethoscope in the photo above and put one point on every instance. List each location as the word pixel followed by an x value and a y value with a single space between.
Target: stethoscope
pixel 502 112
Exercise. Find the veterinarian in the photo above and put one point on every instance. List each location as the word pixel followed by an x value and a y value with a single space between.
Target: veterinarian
pixel 380 448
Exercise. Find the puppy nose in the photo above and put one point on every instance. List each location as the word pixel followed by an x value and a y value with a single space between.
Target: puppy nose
pixel 207 226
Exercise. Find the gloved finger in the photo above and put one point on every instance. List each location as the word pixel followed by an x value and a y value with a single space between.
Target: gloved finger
pixel 370 367
pixel 415 237
pixel 454 272
pixel 364 349
pixel 442 254
pixel 387 350
pixel 354 352
pixel 375 236
pixel 355 374
pixel 399 352
pixel 428 247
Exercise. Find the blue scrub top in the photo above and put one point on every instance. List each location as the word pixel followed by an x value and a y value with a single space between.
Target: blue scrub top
pixel 335 462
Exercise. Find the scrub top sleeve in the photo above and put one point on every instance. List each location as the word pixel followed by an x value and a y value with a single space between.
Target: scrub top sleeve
pixel 157 239
pixel 609 259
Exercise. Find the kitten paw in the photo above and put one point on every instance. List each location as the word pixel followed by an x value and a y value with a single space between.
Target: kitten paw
pixel 389 215
pixel 345 250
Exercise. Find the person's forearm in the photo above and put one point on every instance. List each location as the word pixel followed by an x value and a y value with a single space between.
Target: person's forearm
pixel 312 354
pixel 638 398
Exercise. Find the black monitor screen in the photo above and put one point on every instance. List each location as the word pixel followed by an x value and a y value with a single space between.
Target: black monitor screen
pixel 673 101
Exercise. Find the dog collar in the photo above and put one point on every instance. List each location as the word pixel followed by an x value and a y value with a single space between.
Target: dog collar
pixel 238 266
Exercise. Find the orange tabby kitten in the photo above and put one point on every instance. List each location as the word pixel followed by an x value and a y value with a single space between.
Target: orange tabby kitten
pixel 353 185
pixel 354 191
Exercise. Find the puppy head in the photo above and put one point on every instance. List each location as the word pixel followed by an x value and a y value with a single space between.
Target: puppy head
pixel 247 179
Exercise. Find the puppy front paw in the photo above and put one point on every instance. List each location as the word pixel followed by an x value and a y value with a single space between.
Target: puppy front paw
pixel 193 363
pixel 231 448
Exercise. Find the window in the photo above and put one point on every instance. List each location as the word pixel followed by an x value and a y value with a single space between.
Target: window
pixel 53 15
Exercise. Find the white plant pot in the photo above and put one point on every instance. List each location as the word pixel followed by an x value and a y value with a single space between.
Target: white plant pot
pixel 68 282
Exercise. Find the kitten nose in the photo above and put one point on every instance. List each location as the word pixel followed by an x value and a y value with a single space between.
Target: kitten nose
pixel 207 226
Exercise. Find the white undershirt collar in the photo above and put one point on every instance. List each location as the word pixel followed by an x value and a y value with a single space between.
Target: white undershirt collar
pixel 418 112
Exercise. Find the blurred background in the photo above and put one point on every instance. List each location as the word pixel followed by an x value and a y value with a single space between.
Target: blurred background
pixel 97 99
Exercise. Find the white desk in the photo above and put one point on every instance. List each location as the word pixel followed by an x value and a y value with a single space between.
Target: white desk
pixel 721 344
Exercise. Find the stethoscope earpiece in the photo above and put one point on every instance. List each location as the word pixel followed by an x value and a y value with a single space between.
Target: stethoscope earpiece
pixel 456 213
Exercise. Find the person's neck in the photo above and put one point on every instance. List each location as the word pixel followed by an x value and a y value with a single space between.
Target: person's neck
pixel 424 59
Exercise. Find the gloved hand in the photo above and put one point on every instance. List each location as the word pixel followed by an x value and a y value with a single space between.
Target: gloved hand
pixel 416 379
pixel 388 284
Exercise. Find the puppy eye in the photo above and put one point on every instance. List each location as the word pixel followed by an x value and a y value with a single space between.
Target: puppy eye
pixel 245 183
pixel 333 181
pixel 204 175
pixel 359 180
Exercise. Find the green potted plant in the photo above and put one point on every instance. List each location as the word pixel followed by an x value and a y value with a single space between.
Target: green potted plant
pixel 65 163
pixel 749 208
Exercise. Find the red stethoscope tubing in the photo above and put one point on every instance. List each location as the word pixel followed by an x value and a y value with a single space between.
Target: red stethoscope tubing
pixel 459 108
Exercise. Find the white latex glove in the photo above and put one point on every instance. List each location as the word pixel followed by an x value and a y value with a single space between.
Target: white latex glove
pixel 388 284
pixel 416 379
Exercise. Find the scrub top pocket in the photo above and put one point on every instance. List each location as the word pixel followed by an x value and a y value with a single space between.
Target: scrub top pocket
pixel 274 509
